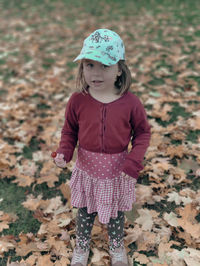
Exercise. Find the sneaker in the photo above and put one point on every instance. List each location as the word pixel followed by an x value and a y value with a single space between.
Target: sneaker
pixel 119 257
pixel 80 257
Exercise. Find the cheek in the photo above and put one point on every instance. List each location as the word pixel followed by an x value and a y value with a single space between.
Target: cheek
pixel 85 74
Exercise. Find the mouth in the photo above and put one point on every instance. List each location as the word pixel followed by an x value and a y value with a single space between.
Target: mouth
pixel 97 82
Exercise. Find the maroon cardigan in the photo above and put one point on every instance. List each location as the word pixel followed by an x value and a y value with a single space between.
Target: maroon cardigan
pixel 106 128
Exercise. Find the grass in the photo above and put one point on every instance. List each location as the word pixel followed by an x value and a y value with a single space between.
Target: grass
pixel 118 8
pixel 177 110
pixel 9 193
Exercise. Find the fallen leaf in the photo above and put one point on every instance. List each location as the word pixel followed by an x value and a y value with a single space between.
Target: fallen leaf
pixel 188 221
pixel 145 219
pixel 171 219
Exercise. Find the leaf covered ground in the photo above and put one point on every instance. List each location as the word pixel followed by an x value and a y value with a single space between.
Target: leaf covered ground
pixel 38 42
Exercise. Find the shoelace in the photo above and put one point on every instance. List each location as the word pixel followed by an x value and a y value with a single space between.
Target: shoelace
pixel 118 256
pixel 80 257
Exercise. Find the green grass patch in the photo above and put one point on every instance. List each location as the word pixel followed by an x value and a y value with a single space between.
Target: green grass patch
pixel 71 65
pixel 48 62
pixel 34 145
pixel 2 61
pixel 47 192
pixel 9 193
pixel 193 135
pixel 176 142
pixel 185 12
pixel 157 82
pixel 177 111
pixel 162 206
pixel 197 33
pixel 7 74
pixel 3 92
pixel 195 78
pixel 10 254
pixel 43 106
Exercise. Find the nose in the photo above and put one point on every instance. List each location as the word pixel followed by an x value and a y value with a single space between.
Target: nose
pixel 97 69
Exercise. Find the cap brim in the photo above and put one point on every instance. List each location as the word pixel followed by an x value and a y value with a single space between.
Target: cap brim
pixel 95 57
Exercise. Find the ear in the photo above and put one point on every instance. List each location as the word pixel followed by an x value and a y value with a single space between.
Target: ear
pixel 119 70
pixel 119 73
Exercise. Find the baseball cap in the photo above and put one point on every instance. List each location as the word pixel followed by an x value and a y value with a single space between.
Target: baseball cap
pixel 104 46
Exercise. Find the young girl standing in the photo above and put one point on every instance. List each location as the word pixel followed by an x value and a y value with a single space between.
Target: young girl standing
pixel 103 118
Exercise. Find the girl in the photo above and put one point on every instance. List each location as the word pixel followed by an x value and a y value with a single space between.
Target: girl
pixel 103 118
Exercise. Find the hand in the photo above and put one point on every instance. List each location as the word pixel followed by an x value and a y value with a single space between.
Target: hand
pixel 124 175
pixel 59 160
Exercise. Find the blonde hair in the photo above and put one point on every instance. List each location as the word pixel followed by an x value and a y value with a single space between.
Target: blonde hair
pixel 122 83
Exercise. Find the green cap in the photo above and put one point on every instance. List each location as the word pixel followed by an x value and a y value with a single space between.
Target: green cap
pixel 104 46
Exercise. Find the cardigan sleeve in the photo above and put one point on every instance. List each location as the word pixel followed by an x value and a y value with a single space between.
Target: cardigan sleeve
pixel 140 141
pixel 69 133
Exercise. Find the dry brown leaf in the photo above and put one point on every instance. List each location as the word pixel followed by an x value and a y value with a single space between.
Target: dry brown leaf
pixel 96 230
pixel 58 247
pixel 31 260
pixel 6 245
pixel 51 227
pixel 66 191
pixel 23 180
pixel 45 260
pixel 141 258
pixel 54 204
pixel 144 194
pixel 188 221
pixel 3 225
pixel 145 219
pixel 98 255
pixel 176 151
pixel 147 241
pixel 49 174
pixel 24 247
pixel 132 234
pixel 33 203
pixel 171 219
pixel 178 199
pixel 65 236
pixel 6 219
pixel 62 262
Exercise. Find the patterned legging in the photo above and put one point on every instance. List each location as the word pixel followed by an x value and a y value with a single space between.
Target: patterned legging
pixel 84 224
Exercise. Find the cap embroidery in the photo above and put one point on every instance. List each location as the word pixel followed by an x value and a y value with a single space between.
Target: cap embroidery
pixel 96 37
pixel 109 48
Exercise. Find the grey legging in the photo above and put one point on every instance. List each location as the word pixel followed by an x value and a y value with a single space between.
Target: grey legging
pixel 84 224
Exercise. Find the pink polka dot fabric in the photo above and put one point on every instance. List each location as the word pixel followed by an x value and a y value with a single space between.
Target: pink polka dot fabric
pixel 97 183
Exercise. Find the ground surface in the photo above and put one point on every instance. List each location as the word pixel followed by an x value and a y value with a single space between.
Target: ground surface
pixel 38 42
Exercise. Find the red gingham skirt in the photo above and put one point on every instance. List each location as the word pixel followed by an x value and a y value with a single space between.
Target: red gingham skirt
pixel 97 183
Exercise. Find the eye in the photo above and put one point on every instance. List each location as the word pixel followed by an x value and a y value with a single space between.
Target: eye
pixel 89 65
pixel 104 66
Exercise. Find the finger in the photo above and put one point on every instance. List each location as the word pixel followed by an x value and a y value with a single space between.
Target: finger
pixel 62 165
pixel 58 160
pixel 59 165
pixel 59 156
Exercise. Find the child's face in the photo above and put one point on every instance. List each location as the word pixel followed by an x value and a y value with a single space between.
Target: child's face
pixel 100 77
